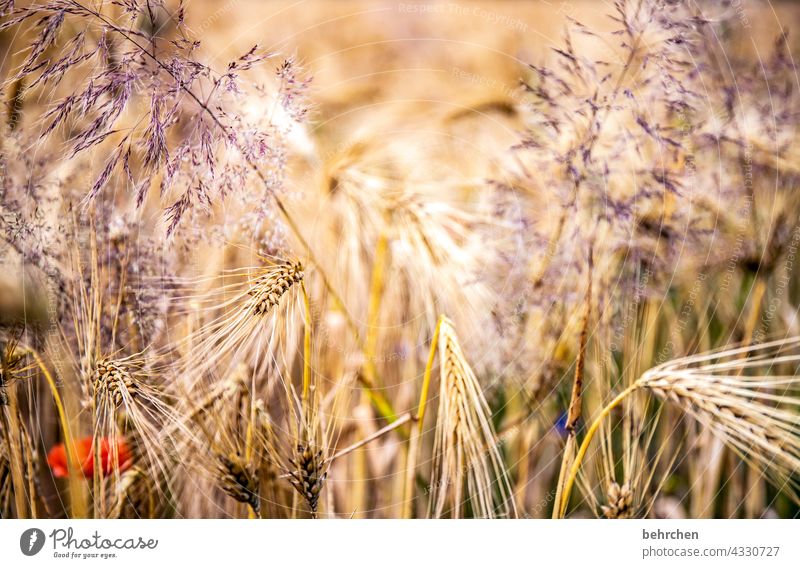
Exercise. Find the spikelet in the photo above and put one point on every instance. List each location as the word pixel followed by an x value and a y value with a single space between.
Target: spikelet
pixel 466 450
pixel 225 449
pixel 308 474
pixel 438 253
pixel 112 380
pixel 11 368
pixel 632 462
pixel 239 480
pixel 619 502
pixel 305 465
pixel 270 287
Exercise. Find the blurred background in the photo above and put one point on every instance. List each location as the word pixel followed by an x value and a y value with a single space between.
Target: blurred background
pixel 426 99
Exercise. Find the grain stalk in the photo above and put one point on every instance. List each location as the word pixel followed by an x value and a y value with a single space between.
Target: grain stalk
pixel 576 397
pixel 373 308
pixel 416 434
pixel 75 477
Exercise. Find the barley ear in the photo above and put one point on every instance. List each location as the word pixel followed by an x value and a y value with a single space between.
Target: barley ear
pixel 467 464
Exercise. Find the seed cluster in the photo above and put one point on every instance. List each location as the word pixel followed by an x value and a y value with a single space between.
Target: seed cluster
pixel 238 480
pixel 453 373
pixel 271 287
pixel 309 475
pixel 111 380
pixel 620 502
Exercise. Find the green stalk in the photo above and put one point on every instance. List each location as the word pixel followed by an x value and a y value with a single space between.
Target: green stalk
pixel 74 468
pixel 416 435
pixel 373 311
pixel 563 501
pixel 306 347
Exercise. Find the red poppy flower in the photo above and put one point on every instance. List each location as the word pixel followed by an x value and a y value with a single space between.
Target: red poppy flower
pixel 57 457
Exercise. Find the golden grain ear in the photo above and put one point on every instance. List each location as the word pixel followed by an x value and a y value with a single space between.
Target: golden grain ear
pixel 754 414
pixel 467 462
pixel 250 319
